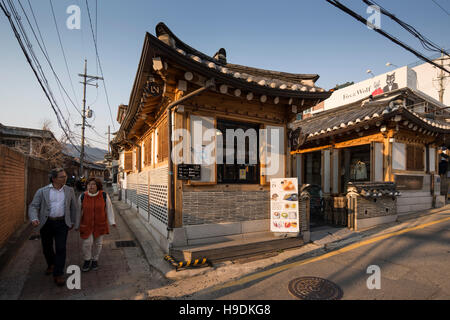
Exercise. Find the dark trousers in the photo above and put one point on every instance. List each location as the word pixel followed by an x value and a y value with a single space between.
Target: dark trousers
pixel 55 231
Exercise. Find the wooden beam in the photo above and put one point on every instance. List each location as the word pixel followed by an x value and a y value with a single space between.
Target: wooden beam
pixel 310 149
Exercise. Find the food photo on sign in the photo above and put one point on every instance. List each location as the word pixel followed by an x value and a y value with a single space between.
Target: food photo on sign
pixel 284 205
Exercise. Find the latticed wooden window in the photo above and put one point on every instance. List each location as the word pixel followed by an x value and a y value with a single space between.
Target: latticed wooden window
pixel 128 165
pixel 415 158
pixel 148 151
pixel 163 150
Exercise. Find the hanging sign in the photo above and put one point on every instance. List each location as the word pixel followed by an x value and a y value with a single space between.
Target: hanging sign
pixel 153 89
pixel 284 214
pixel 189 172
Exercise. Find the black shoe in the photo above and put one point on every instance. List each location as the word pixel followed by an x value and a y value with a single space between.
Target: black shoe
pixel 94 265
pixel 49 270
pixel 86 266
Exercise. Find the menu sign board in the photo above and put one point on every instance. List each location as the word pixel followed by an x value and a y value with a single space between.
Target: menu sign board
pixel 188 172
pixel 284 216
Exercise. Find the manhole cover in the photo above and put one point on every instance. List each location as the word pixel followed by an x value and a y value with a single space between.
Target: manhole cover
pixel 125 244
pixel 313 288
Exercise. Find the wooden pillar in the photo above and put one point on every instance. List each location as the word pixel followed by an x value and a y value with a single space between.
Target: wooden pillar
pixel 387 157
pixel 178 189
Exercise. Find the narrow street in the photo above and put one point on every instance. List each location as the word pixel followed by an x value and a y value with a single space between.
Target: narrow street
pixel 123 272
pixel 413 265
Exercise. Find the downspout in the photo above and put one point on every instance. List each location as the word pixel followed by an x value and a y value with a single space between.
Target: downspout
pixel 171 189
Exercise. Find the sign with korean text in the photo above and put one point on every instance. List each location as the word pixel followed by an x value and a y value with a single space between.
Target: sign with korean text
pixel 189 172
pixel 284 213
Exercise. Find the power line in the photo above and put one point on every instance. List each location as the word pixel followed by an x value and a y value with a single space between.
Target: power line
pixel 45 53
pixel 378 30
pixel 425 42
pixel 100 65
pixel 443 9
pixel 22 30
pixel 62 49
pixel 27 56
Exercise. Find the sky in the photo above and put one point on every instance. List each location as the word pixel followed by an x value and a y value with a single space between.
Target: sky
pixel 302 36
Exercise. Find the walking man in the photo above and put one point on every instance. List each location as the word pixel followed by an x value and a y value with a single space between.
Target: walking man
pixel 54 211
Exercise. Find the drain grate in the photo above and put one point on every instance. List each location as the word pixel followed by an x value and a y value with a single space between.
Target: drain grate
pixel 125 244
pixel 313 288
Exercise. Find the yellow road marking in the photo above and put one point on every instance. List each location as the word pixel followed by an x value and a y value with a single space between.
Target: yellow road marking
pixel 324 256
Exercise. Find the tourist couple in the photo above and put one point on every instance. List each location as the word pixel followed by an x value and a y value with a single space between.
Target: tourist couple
pixel 55 211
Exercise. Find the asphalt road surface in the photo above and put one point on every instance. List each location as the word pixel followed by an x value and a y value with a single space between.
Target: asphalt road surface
pixel 413 264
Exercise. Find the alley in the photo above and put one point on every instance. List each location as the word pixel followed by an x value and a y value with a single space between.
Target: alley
pixel 123 271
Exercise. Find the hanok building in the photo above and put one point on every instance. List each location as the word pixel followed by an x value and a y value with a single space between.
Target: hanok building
pixel 375 158
pixel 177 87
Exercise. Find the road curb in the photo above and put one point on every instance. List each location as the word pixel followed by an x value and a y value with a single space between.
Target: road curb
pixel 153 254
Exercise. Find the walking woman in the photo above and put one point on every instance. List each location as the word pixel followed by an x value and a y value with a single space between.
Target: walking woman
pixel 96 213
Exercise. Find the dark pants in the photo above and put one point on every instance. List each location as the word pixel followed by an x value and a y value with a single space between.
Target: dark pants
pixel 55 230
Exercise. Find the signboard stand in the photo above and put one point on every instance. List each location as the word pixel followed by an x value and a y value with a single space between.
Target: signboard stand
pixel 284 212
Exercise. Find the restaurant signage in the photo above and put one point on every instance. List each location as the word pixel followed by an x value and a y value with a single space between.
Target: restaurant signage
pixel 284 211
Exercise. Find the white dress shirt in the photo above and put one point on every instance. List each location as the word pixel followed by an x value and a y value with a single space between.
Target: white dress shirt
pixel 56 202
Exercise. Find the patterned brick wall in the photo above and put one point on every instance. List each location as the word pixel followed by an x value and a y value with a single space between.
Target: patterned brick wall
pixel 203 207
pixel 12 192
pixel 21 176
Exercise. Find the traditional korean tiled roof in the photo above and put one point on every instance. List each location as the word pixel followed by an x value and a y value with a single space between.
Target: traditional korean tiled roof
pixel 374 189
pixel 359 114
pixel 267 79
pixel 25 132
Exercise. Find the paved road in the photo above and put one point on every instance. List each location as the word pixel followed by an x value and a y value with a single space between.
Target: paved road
pixel 413 264
pixel 123 272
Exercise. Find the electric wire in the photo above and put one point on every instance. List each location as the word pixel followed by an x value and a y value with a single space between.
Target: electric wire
pixel 340 6
pixel 100 65
pixel 29 60
pixel 35 59
pixel 424 41
pixel 44 50
pixel 62 49
pixel 443 9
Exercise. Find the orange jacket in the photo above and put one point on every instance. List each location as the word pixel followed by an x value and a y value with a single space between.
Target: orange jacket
pixel 93 216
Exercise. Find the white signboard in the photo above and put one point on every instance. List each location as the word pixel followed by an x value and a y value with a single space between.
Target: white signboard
pixel 396 79
pixel 284 216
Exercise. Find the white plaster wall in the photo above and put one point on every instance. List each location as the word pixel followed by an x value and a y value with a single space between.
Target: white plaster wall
pixel 432 159
pixel 398 156
pixel 335 171
pixel 378 165
pixel 326 171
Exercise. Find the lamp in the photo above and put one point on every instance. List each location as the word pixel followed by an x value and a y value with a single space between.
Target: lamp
pixel 388 64
pixel 370 71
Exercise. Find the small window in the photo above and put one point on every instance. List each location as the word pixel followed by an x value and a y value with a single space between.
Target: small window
pixel 163 150
pixel 415 158
pixel 148 151
pixel 128 165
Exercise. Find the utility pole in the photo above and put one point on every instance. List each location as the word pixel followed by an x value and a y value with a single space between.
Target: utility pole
pixel 86 79
pixel 441 79
pixel 109 140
